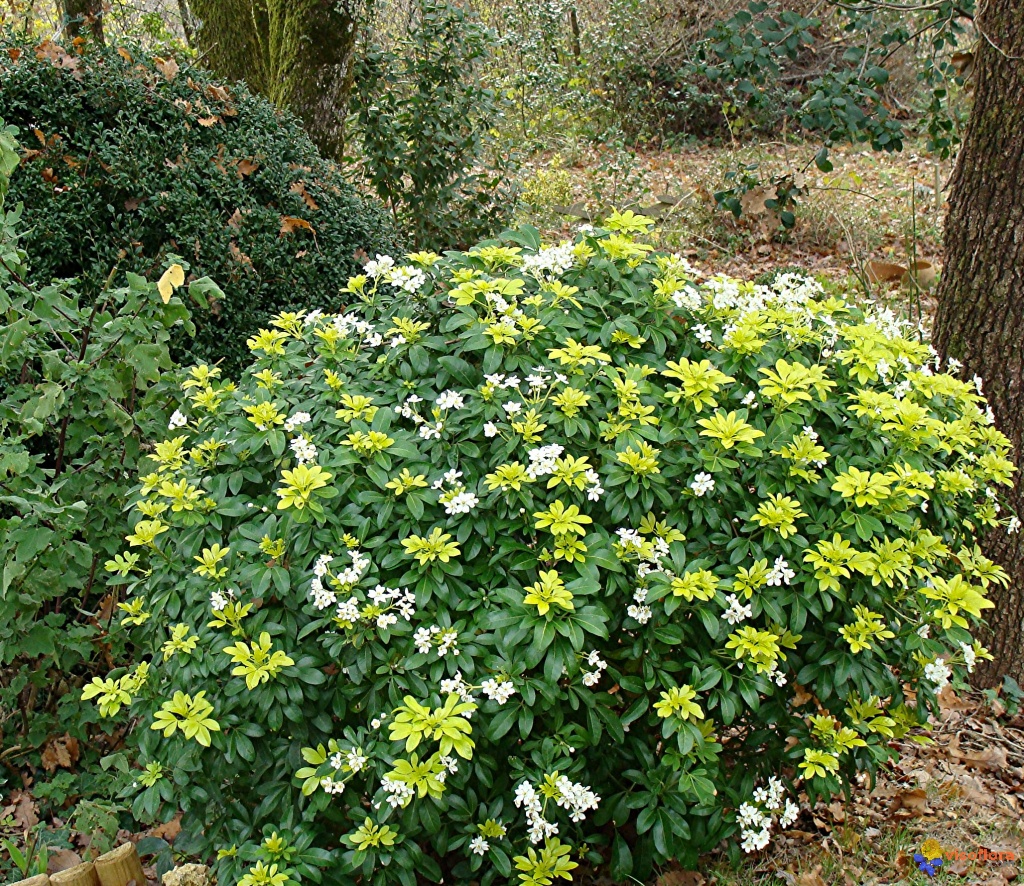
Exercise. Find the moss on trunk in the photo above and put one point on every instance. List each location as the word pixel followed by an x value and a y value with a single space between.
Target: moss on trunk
pixel 298 53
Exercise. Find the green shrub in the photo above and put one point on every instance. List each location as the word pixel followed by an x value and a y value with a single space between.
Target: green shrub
pixel 79 392
pixel 136 160
pixel 425 125
pixel 538 557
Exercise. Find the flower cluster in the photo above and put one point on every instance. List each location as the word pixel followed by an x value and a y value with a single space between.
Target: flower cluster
pixel 757 817
pixel 576 799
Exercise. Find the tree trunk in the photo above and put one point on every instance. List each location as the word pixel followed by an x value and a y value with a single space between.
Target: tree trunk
pixel 980 319
pixel 87 14
pixel 298 53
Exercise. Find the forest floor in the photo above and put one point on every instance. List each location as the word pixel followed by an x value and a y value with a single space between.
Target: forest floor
pixel 963 787
pixel 871 208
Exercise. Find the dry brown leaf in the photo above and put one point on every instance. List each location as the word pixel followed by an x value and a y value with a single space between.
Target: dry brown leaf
pixel 168 67
pixel 218 93
pixel 289 224
pixel 61 860
pixel 24 810
pixel 810 878
pixel 247 167
pixel 238 255
pixel 910 804
pixel 838 813
pixel 60 752
pixel 14 53
pixel 131 204
pixel 680 878
pixel 300 189
pixel 236 220
pixel 209 121
pixel 753 201
pixel 125 54
pixel 168 830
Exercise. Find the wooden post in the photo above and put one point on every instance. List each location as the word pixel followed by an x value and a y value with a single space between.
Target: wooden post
pixel 83 874
pixel 38 880
pixel 120 867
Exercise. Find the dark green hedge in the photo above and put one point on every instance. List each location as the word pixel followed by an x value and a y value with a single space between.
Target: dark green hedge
pixel 126 159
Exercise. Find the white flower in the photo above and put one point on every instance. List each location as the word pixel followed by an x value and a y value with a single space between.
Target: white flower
pixel 749 816
pixel 423 640
pixel 702 484
pixel 736 612
pixel 750 399
pixel 408 278
pixel 938 672
pixel 461 503
pixel 218 601
pixel 754 840
pixel 703 334
pixel 447 643
pixel 924 632
pixel 303 449
pixel 552 261
pixel 430 431
pixel 512 407
pixel 641 613
pixel 382 264
pixel 178 420
pixel 490 429
pixel 499 692
pixel 297 420
pixel 1013 527
pixel 790 815
pixel 781 573
pixel 457 686
pixel 355 760
pixel 970 657
pixel 479 845
pixel 449 400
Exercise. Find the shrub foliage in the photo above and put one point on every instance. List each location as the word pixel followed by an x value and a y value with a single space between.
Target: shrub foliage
pixel 133 159
pixel 542 555
pixel 80 390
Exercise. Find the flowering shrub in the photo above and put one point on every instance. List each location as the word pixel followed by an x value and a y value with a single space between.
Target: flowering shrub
pixel 542 555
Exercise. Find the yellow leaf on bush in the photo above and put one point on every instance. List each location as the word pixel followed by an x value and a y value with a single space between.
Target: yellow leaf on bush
pixel 172 278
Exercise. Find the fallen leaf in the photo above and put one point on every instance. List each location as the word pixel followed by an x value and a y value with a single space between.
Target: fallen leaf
pixel 238 255
pixel 236 220
pixel 38 133
pixel 300 189
pixel 247 167
pixel 168 67
pixel 914 803
pixel 838 813
pixel 61 860
pixel 131 204
pixel 290 223
pixel 14 53
pixel 810 878
pixel 168 830
pixel 753 202
pixel 24 811
pixel 125 54
pixel 218 93
pixel 680 878
pixel 209 121
pixel 60 752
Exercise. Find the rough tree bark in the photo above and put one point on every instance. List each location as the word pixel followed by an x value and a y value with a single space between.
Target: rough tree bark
pixel 980 318
pixel 82 15
pixel 298 53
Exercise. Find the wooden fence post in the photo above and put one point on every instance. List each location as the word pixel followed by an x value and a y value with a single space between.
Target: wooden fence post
pixel 83 874
pixel 120 867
